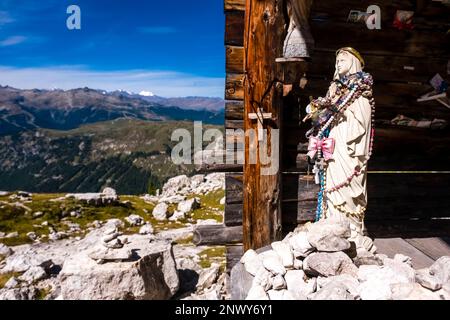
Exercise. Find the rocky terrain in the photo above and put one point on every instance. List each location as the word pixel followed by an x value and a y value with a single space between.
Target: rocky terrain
pixel 106 246
pixel 317 262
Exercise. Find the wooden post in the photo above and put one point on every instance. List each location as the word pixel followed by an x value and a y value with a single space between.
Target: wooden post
pixel 263 42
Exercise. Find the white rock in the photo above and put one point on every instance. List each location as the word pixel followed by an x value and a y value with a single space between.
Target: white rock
pixel 134 220
pixel 160 211
pixel 10 235
pixel 298 264
pixel 299 243
pixel 32 236
pixel 179 184
pixel 285 253
pixel 257 293
pixel 222 201
pixel 208 277
pixel 351 283
pixel 441 269
pixel 296 284
pixel 427 280
pixel 113 244
pixel 152 276
pixel 110 236
pixel 146 229
pixel 188 205
pixel 33 274
pixel 263 278
pixel 11 283
pixel 412 291
pixel 280 295
pixel 329 235
pixel 333 291
pixel 278 282
pixel 375 289
pixel 252 261
pixel 329 264
pixel 38 214
pixel 272 262
pixel 177 215
pixel 5 251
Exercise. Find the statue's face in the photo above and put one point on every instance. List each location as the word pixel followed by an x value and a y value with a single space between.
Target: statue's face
pixel 343 63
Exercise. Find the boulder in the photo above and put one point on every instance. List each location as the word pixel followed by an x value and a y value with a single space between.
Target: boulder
pixel 284 251
pixel 263 278
pixel 11 283
pixel 241 282
pixel 300 245
pixel 175 185
pixel 329 235
pixel 151 274
pixel 135 220
pixel 160 211
pixel 280 295
pixel 146 229
pixel 252 261
pixel 428 280
pixel 297 285
pixel 349 282
pixel 177 215
pixel 5 251
pixel 188 205
pixel 278 282
pixel 333 291
pixel 412 291
pixel 441 269
pixel 208 277
pixel 33 274
pixel 257 293
pixel 329 264
pixel 272 262
pixel 38 214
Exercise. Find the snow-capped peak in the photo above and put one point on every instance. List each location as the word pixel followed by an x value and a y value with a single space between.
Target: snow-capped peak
pixel 146 94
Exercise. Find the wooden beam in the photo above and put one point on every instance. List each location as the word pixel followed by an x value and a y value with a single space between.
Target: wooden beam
pixel 234 28
pixel 234 110
pixel 264 33
pixel 234 5
pixel 234 59
pixel 234 86
pixel 216 235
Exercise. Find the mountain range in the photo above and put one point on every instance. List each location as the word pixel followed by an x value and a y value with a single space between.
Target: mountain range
pixel 22 110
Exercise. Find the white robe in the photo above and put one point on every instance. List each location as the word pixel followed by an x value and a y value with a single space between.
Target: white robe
pixel 352 141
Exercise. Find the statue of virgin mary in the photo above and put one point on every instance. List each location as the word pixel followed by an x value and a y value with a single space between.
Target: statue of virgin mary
pixel 340 142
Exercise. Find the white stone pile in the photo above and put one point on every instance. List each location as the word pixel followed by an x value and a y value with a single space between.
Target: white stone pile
pixel 318 262
pixel 176 191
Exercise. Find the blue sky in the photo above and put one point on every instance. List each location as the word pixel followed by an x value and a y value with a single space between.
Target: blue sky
pixel 171 48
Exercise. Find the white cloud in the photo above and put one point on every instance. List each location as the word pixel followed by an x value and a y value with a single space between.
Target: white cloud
pixel 161 83
pixel 5 18
pixel 12 41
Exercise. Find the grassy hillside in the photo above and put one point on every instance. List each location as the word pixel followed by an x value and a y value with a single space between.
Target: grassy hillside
pixel 131 156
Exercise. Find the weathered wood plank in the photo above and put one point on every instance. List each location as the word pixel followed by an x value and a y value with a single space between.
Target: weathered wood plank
pixel 264 25
pixel 234 124
pixel 233 188
pixel 233 214
pixel 234 110
pixel 234 59
pixel 216 235
pixel 233 255
pixel 234 86
pixel 432 247
pixel 393 246
pixel 219 167
pixel 417 43
pixel 234 28
pixel 234 5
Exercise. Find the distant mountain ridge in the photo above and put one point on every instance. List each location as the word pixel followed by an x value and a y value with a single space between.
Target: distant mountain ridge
pixel 22 110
